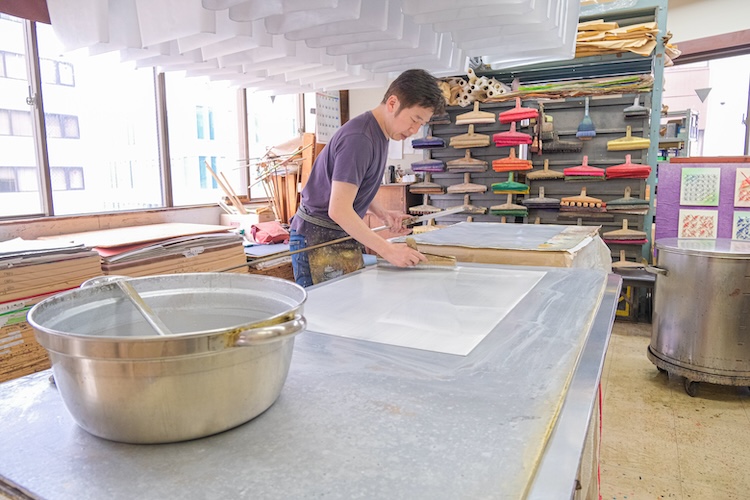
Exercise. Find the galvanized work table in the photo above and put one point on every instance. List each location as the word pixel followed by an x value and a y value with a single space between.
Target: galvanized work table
pixel 358 419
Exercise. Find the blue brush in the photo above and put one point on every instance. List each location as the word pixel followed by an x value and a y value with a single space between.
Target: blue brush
pixel 586 130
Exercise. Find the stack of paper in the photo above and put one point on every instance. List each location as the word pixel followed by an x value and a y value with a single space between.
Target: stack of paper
pixel 599 37
pixel 31 271
pixel 185 254
pixel 36 267
pixel 164 249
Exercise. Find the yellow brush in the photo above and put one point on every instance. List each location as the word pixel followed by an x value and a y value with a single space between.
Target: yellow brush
pixel 628 142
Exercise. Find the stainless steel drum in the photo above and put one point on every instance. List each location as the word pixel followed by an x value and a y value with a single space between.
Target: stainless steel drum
pixel 224 360
pixel 701 320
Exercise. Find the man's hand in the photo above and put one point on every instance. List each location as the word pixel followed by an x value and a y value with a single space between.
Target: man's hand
pixel 401 255
pixel 395 222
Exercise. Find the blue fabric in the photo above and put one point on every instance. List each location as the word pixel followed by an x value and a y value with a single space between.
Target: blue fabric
pixel 300 262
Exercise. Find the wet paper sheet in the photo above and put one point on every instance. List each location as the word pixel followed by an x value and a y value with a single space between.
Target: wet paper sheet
pixel 448 311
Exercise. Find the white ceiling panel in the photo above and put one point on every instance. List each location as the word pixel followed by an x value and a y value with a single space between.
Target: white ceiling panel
pixel 282 46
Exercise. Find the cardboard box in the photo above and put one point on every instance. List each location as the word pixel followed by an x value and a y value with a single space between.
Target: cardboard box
pixel 244 221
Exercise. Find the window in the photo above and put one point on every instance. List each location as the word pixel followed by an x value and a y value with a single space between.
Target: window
pixel 100 114
pixel 199 121
pixel 718 90
pixel 102 134
pixel 61 126
pixel 20 190
pixel 271 120
pixel 14 65
pixel 67 178
pixel 20 179
pixel 202 124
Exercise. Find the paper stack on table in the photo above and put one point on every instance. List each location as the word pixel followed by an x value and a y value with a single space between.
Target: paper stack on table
pixel 30 271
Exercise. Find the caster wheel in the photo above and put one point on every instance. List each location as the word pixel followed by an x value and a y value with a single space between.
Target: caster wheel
pixel 691 387
pixel 661 370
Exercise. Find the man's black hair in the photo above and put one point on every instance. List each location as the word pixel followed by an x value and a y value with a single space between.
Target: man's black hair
pixel 416 87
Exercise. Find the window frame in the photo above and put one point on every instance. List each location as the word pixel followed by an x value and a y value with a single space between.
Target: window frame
pixel 42 70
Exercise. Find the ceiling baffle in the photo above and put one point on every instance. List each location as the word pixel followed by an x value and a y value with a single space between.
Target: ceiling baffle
pixel 286 46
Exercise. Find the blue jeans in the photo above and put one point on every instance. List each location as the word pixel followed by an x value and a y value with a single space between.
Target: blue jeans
pixel 300 261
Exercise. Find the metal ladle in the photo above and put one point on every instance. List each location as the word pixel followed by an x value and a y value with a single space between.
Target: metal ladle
pixel 148 314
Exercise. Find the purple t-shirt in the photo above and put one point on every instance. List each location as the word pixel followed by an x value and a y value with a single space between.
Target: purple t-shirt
pixel 356 154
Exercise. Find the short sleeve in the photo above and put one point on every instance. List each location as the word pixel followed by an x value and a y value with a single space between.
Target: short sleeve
pixel 353 156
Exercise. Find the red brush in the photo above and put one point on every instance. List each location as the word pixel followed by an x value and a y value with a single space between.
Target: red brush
pixel 511 138
pixel 584 171
pixel 628 170
pixel 511 163
pixel 517 113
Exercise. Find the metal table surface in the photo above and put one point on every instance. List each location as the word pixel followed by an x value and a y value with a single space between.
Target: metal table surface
pixel 355 419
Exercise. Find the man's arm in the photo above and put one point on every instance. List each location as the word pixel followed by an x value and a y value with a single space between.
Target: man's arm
pixel 341 211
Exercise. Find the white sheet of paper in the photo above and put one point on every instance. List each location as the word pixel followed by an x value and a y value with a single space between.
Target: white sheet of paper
pixel 448 311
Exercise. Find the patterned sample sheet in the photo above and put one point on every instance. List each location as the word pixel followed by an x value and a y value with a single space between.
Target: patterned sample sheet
pixel 698 223
pixel 741 226
pixel 700 187
pixel 742 188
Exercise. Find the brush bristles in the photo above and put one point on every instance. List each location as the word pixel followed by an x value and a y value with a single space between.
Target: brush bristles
pixel 583 204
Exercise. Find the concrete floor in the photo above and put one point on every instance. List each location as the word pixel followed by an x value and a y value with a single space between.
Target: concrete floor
pixel 658 442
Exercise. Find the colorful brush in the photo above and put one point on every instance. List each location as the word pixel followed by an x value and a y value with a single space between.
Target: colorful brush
pixel 468 208
pixel 511 137
pixel 546 173
pixel 518 113
pixel 624 264
pixel 628 170
pixel 511 163
pixel 636 110
pixel 470 140
pixel 475 116
pixel 442 119
pixel 625 236
pixel 510 186
pixel 426 186
pixel 582 203
pixel 541 202
pixel 424 208
pixel 628 142
pixel 428 142
pixel 628 204
pixel 584 172
pixel 428 166
pixel 466 164
pixel 466 186
pixel 586 129
pixel 509 209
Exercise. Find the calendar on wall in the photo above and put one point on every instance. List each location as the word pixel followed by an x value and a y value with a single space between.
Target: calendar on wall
pixel 327 115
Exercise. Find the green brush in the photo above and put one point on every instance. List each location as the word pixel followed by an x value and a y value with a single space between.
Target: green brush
pixel 510 186
pixel 586 129
pixel 509 208
pixel 628 204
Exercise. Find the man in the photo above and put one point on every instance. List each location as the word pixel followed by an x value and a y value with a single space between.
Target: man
pixel 345 179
